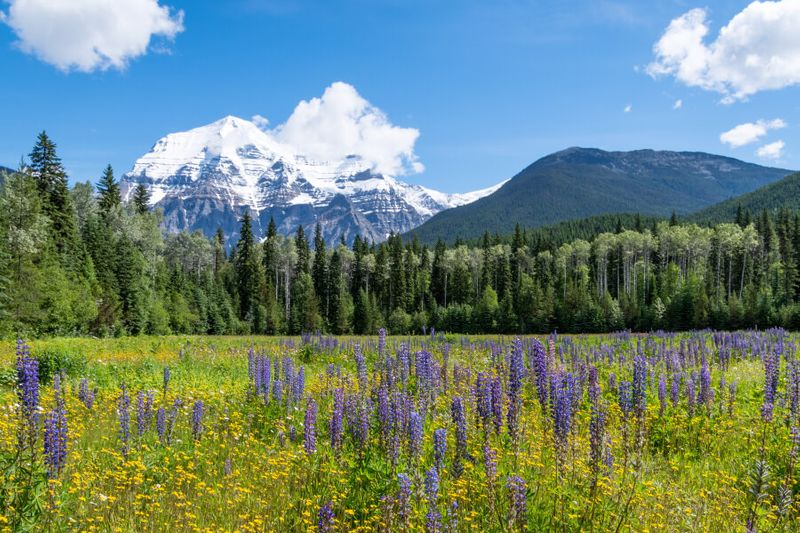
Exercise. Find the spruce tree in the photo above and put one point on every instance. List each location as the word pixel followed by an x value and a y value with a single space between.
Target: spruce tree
pixel 141 199
pixel 109 190
pixel 303 250
pixel 319 271
pixel 51 180
pixel 246 264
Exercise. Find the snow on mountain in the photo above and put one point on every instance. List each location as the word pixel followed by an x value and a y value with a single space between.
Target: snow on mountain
pixel 209 176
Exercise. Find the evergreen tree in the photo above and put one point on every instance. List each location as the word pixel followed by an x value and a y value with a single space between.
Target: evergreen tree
pixel 303 250
pixel 109 190
pixel 141 199
pixel 247 271
pixel 319 272
pixel 51 180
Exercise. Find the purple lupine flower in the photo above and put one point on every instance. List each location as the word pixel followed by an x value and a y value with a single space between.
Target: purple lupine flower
pixel 161 423
pixel 639 386
pixel 704 397
pixel 228 468
pixel 309 427
pixel 85 394
pixel 27 392
pixel 277 391
pixel 624 398
pixel 381 342
pixel 144 411
pixel 124 416
pixel 662 394
pixel 771 374
pixel 432 518
pixel 731 396
pixel 403 499
pixel 325 518
pixel 518 502
pixel 766 411
pixel 562 390
pixel 675 389
pixel 516 368
pixel 361 368
pixel 460 421
pixel 414 435
pixel 55 437
pixel 385 419
pixel 793 388
pixel 336 418
pixel 539 364
pixel 439 448
pixel 197 419
pixel 596 423
pixel 292 433
pixel 166 379
pixel 490 463
pixel 497 403
pixel 452 517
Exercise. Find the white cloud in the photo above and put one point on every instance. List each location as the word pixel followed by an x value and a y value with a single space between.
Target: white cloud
pixel 678 104
pixel 342 123
pixel 771 150
pixel 750 132
pixel 628 108
pixel 260 121
pixel 88 35
pixel 757 50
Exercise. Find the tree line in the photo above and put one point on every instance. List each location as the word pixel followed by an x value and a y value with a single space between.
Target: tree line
pixel 80 261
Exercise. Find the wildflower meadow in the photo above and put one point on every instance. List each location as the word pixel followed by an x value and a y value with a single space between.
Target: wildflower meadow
pixel 623 432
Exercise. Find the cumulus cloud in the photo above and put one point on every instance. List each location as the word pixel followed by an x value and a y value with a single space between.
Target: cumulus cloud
pixel 757 50
pixel 678 104
pixel 260 121
pixel 89 35
pixel 628 108
pixel 341 123
pixel 750 132
pixel 771 150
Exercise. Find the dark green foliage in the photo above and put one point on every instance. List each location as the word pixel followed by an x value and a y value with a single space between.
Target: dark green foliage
pixel 782 193
pixel 141 199
pixel 121 275
pixel 108 188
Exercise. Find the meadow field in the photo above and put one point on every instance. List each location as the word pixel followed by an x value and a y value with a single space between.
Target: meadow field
pixel 621 432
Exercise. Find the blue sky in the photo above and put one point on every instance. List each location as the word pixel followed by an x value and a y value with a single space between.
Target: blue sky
pixel 490 86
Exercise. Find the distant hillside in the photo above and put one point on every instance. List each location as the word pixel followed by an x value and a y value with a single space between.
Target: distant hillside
pixel 583 182
pixel 782 193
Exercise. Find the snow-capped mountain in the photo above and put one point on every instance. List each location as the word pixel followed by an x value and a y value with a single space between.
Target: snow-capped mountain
pixel 207 177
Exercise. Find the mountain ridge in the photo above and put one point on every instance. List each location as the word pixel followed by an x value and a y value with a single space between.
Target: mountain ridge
pixel 207 177
pixel 577 182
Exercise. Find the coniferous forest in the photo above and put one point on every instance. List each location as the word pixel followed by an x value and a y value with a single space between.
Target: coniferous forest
pixel 80 261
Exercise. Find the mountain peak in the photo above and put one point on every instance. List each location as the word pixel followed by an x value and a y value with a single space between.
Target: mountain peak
pixel 208 176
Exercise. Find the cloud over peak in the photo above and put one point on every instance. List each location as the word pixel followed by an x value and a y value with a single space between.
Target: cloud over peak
pixel 341 123
pixel 89 35
pixel 757 50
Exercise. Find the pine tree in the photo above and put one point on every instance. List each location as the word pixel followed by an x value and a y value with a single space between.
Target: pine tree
pixel 51 180
pixel 109 190
pixel 319 272
pixel 141 199
pixel 303 251
pixel 246 267
pixel 219 251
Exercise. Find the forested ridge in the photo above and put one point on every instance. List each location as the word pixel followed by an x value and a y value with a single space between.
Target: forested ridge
pixel 79 261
